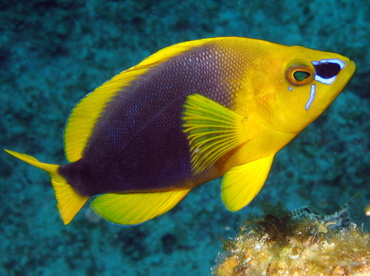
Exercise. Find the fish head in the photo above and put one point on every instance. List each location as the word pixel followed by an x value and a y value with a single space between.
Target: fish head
pixel 304 84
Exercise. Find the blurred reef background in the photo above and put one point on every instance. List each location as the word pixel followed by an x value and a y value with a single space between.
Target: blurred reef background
pixel 53 52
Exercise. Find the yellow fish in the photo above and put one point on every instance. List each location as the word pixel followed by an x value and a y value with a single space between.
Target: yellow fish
pixel 188 114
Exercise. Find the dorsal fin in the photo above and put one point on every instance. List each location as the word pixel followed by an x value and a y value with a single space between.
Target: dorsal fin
pixel 86 113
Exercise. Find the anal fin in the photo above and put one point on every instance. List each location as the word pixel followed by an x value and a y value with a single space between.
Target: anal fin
pixel 135 208
pixel 241 184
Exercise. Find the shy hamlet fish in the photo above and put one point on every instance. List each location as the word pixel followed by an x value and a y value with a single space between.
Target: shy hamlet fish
pixel 188 114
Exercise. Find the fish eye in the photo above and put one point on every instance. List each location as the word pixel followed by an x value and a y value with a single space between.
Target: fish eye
pixel 299 74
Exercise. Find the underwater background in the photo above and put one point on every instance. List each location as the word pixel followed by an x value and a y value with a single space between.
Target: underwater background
pixel 54 52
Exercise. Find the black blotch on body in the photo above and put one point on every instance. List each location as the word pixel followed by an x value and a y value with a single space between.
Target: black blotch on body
pixel 138 143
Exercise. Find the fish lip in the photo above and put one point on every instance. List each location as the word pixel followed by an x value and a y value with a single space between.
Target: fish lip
pixel 353 65
pixel 350 68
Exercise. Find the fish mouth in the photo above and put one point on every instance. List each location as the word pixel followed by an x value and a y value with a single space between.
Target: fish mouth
pixel 353 66
pixel 327 71
pixel 349 69
pixel 350 65
pixel 344 75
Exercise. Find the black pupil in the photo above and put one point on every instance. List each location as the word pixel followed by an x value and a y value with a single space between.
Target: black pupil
pixel 301 75
pixel 327 70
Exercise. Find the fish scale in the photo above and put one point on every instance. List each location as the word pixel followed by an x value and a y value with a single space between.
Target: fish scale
pixel 190 113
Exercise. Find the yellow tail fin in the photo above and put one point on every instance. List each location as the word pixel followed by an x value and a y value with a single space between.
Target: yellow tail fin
pixel 69 201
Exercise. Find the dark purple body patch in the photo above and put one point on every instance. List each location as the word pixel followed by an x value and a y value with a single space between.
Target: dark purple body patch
pixel 138 143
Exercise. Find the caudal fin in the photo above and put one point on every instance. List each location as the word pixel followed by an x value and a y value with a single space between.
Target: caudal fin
pixel 69 201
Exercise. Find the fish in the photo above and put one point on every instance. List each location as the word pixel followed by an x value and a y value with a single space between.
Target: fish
pixel 337 220
pixel 188 114
pixel 350 213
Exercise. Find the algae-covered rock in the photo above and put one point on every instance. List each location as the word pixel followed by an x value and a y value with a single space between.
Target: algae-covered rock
pixel 282 245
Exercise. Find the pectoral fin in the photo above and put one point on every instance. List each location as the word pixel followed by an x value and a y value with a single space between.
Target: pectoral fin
pixel 132 209
pixel 241 184
pixel 212 130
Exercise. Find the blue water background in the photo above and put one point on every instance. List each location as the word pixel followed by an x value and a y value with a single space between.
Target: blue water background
pixel 53 52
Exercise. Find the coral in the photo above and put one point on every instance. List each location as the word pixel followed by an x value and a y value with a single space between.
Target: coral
pixel 280 245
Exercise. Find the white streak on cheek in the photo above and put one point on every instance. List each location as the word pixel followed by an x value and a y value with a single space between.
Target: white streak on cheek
pixel 312 97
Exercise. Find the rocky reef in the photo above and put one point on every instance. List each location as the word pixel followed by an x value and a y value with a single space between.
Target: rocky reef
pixel 280 244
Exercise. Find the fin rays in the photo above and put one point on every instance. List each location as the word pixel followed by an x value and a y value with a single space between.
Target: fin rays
pixel 133 209
pixel 212 130
pixel 69 201
pixel 242 183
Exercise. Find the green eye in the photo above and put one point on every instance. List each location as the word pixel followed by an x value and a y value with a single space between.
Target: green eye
pixel 301 75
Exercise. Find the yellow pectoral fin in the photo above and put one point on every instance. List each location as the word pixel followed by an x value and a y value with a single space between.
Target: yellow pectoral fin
pixel 213 130
pixel 132 209
pixel 241 184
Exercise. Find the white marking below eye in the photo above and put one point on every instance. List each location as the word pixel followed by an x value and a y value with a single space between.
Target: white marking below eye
pixel 331 60
pixel 312 97
pixel 325 81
